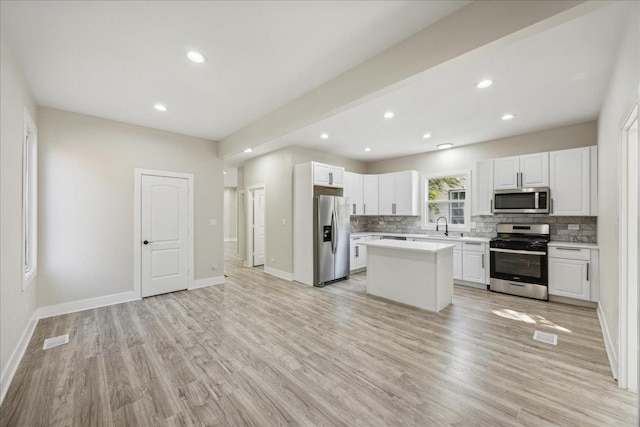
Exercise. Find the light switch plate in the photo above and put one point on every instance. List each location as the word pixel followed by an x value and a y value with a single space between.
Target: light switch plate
pixel 574 226
pixel 213 223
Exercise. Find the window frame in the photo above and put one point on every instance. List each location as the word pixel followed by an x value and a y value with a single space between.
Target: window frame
pixel 466 173
pixel 29 201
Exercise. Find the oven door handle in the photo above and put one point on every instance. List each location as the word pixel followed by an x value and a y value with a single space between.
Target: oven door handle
pixel 513 251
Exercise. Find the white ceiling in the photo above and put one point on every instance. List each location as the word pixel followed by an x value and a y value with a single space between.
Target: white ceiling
pixel 116 59
pixel 554 78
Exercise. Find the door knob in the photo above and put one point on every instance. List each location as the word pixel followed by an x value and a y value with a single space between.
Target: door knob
pixel 146 242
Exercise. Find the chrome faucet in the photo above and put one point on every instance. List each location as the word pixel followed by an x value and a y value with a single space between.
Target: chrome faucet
pixel 446 225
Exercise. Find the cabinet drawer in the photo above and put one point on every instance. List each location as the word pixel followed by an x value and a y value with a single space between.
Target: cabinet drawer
pixel 569 253
pixel 474 246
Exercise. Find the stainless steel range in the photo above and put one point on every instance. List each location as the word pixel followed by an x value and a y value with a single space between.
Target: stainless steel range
pixel 519 260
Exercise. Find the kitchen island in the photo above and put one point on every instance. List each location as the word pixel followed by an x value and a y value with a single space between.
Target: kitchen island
pixel 419 274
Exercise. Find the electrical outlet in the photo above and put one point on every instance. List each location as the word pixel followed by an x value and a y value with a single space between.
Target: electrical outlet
pixel 213 223
pixel 284 221
pixel 273 259
pixel 213 266
pixel 574 226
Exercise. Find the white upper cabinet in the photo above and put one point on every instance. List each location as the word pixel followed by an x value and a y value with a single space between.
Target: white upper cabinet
pixel 534 170
pixel 483 188
pixel 398 193
pixel 570 181
pixel 327 175
pixel 531 170
pixel 506 173
pixel 370 195
pixel 353 189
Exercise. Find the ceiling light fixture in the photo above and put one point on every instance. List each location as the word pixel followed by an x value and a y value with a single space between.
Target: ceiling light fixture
pixel 484 84
pixel 508 116
pixel 426 136
pixel 367 149
pixel 388 115
pixel 249 150
pixel 445 146
pixel 196 57
pixel 224 172
pixel 324 136
pixel 160 107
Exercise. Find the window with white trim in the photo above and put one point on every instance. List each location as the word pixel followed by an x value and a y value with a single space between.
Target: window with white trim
pixel 447 195
pixel 29 200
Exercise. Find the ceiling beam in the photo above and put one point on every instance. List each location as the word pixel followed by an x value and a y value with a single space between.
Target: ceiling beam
pixel 475 29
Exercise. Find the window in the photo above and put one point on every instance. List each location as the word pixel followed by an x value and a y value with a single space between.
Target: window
pixel 29 200
pixel 447 195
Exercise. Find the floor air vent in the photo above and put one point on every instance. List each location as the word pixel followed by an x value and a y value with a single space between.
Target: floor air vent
pixel 545 337
pixel 55 341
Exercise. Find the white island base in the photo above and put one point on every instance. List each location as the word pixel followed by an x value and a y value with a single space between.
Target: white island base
pixel 419 274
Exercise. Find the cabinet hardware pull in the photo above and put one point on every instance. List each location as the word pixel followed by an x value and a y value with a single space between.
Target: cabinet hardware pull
pixel 354 208
pixel 357 251
pixel 330 178
pixel 491 205
pixel 482 260
pixel 364 209
pixel 587 272
pixel 568 249
pixel 552 205
pixel 472 243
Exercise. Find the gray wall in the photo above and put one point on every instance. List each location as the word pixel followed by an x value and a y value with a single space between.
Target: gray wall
pixel 621 96
pixel 86 201
pixel 16 306
pixel 230 214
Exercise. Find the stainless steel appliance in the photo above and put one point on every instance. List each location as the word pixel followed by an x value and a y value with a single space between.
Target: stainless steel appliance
pixel 332 228
pixel 519 262
pixel 522 200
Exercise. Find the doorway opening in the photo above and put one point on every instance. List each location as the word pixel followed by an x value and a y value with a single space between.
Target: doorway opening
pixel 256 226
pixel 629 253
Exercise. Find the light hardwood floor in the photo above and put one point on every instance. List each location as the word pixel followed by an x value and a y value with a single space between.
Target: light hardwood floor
pixel 262 351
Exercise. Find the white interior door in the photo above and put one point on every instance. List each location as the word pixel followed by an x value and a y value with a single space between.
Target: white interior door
pixel 258 226
pixel 165 234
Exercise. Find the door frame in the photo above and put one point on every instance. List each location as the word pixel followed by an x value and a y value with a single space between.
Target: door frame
pixel 241 218
pixel 623 291
pixel 137 224
pixel 248 259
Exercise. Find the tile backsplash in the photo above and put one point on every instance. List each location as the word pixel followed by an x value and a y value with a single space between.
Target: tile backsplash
pixel 485 225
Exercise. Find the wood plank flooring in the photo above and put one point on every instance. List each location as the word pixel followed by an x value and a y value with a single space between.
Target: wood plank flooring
pixel 262 351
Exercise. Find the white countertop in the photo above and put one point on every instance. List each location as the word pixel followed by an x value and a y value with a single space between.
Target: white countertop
pixel 408 245
pixel 425 236
pixel 573 245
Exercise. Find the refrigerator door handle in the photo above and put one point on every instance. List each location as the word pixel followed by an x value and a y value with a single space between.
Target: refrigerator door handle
pixel 334 231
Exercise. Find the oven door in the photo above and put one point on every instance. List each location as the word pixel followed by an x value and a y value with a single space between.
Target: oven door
pixel 519 265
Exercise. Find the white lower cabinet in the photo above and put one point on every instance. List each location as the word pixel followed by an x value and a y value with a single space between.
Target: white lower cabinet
pixel 358 253
pixel 457 264
pixel 573 272
pixel 474 262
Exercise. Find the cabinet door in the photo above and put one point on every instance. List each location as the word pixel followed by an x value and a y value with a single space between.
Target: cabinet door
pixel 506 173
pixel 353 261
pixel 336 177
pixel 349 191
pixel 473 266
pixel 370 197
pixel 569 182
pixel 386 193
pixel 534 170
pixel 362 257
pixel 483 188
pixel 457 264
pixel 406 193
pixel 358 193
pixel 320 174
pixel 568 278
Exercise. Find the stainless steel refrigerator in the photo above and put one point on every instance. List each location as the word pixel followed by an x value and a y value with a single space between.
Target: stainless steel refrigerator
pixel 331 225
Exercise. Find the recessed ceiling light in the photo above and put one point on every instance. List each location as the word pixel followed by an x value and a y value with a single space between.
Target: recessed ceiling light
pixel 508 116
pixel 324 136
pixel 367 149
pixel 445 146
pixel 426 136
pixel 249 150
pixel 484 84
pixel 388 115
pixel 196 57
pixel 224 172
pixel 160 107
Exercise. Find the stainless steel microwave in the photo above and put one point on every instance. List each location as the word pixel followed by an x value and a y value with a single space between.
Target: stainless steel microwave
pixel 522 200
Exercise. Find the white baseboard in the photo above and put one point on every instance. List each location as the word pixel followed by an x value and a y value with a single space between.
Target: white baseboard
pixel 278 273
pixel 608 344
pixel 230 239
pixel 16 356
pixel 85 304
pixel 209 281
